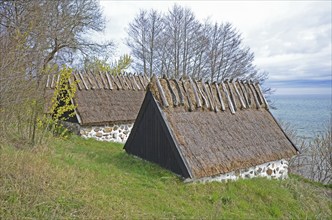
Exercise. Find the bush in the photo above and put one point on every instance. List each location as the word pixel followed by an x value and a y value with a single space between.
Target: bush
pixel 315 160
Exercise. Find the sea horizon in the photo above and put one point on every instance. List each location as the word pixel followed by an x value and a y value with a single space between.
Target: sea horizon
pixel 309 115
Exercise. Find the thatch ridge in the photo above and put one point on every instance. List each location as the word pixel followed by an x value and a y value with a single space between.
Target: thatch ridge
pixel 102 98
pixel 196 95
pixel 87 80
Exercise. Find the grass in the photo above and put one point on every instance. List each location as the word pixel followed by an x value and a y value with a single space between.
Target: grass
pixel 87 179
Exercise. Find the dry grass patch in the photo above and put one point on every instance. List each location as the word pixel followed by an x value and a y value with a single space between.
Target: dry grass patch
pixel 87 179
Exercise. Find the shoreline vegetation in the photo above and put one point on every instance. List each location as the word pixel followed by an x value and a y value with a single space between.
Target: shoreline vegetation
pixel 87 179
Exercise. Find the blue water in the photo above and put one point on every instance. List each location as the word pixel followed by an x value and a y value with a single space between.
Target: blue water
pixel 309 115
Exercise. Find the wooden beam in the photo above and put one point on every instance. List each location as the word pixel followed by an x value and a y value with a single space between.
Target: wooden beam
pixel 94 77
pixel 208 95
pixel 140 77
pixel 179 91
pixel 205 102
pixel 220 97
pixel 187 95
pixel 244 92
pixel 83 81
pixel 103 79
pixel 260 99
pixel 174 99
pixel 135 83
pixel 243 105
pixel 147 79
pixel 230 103
pixel 89 80
pixel 77 81
pixel 125 82
pixel 110 86
pixel 231 94
pixel 143 80
pixel 214 103
pixel 76 113
pixel 131 82
pixel 248 91
pixel 261 93
pixel 254 95
pixel 120 81
pixel 116 83
pixel 198 101
pixel 161 93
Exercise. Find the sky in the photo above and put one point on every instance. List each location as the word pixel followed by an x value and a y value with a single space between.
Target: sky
pixel 291 40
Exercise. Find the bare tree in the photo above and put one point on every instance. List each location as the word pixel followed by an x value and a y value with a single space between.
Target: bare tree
pixel 34 36
pixel 56 29
pixel 186 46
pixel 144 33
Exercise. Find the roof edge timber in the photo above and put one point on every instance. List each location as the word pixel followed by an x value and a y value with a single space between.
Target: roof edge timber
pixel 232 94
pixel 88 80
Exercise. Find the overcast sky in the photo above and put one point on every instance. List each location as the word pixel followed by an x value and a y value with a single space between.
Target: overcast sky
pixel 291 39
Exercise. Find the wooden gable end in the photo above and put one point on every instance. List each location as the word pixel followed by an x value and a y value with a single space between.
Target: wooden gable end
pixel 151 139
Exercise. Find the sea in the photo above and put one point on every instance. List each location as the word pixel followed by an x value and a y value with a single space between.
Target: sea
pixel 308 115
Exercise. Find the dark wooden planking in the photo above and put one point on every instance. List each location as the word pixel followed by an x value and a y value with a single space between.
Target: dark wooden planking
pixel 151 139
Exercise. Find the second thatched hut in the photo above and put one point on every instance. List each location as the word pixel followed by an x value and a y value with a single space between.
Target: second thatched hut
pixel 107 105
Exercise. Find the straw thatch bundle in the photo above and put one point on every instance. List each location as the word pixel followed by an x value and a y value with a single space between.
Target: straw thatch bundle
pixel 211 128
pixel 102 98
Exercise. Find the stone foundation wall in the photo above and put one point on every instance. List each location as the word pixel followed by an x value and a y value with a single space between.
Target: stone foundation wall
pixel 275 170
pixel 116 133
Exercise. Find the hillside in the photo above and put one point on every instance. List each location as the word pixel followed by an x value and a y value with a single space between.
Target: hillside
pixel 87 179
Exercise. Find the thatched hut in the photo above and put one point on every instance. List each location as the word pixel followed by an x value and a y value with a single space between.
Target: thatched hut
pixel 210 131
pixel 107 105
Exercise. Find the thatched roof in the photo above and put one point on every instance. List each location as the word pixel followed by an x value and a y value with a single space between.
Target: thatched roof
pixel 102 98
pixel 218 127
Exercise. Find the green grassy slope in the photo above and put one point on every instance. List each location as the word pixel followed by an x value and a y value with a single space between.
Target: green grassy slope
pixel 79 178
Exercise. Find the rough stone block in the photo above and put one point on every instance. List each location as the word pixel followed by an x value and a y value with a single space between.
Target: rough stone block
pixel 99 134
pixel 108 129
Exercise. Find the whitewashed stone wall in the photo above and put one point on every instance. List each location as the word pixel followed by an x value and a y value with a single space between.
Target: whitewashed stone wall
pixel 116 133
pixel 275 170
